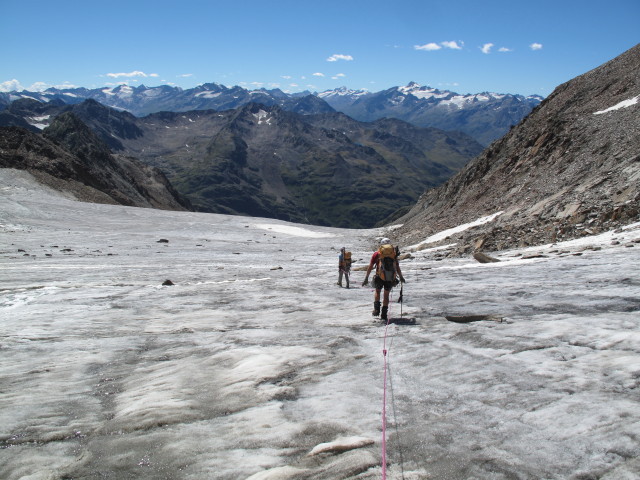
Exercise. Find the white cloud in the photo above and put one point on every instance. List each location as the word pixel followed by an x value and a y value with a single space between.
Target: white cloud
pixel 41 87
pixel 185 75
pixel 340 75
pixel 486 48
pixel 154 75
pixel 452 45
pixel 15 85
pixel 318 74
pixel 135 73
pixel 286 77
pixel 428 47
pixel 336 57
pixel 505 49
pixel 535 46
pixel 10 86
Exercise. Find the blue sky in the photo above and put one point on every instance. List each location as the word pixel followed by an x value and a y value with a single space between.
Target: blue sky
pixel 464 46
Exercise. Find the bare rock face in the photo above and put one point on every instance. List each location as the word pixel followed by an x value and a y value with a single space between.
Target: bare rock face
pixel 569 169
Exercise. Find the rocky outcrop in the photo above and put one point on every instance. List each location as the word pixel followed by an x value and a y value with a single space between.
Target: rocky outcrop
pixel 570 169
pixel 69 157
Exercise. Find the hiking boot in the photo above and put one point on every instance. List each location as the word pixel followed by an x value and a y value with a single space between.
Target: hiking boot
pixel 384 313
pixel 376 309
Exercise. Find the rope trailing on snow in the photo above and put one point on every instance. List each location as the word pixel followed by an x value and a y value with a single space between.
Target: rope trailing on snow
pixel 384 399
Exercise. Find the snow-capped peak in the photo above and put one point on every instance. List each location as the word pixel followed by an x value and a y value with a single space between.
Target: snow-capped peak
pixel 342 92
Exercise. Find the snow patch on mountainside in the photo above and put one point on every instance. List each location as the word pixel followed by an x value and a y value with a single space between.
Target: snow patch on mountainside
pixel 263 117
pixel 208 94
pixel 624 104
pixel 460 228
pixel 39 122
pixel 293 230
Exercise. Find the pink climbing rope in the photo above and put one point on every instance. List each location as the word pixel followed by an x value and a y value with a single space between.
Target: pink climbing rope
pixel 384 401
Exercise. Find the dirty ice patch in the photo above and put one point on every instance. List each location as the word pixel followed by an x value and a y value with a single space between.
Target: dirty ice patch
pixel 460 228
pixel 623 104
pixel 295 231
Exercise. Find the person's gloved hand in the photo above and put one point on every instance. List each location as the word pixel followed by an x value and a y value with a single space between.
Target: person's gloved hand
pixel 366 282
pixel 402 279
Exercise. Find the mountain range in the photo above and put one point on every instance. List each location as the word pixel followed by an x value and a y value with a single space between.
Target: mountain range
pixel 258 160
pixel 570 168
pixel 484 116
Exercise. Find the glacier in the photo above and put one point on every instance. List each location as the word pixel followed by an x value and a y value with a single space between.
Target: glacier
pixel 255 365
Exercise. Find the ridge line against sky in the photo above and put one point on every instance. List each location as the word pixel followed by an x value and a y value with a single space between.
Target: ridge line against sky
pixel 468 47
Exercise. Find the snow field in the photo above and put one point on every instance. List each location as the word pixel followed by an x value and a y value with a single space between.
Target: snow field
pixel 254 364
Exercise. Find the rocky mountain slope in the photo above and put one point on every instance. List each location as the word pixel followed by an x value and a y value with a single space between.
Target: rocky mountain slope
pixel 485 116
pixel 69 157
pixel 571 168
pixel 264 161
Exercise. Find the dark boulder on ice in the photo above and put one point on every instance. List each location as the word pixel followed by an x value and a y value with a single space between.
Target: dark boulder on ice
pixel 484 258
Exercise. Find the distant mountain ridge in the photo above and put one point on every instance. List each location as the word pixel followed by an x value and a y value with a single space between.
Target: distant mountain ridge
pixel 143 100
pixel 484 116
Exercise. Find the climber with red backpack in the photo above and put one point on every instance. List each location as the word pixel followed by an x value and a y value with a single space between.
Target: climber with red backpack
pixel 388 275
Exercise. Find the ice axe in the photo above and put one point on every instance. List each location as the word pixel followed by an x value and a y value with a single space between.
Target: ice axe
pixel 401 320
